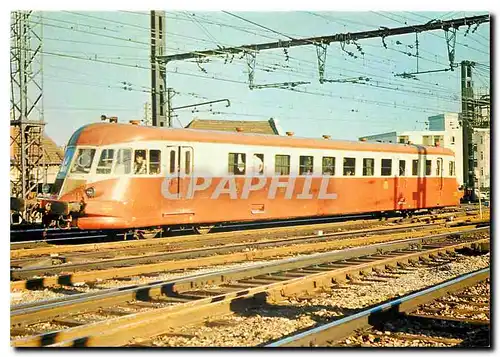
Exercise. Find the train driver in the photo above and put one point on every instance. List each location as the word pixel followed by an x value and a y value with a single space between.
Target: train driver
pixel 140 163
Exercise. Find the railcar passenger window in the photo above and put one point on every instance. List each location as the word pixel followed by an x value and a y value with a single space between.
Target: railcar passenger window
pixel 306 165
pixel 349 166
pixel 428 167
pixel 154 162
pixel 187 167
pixel 83 161
pixel 414 167
pixel 282 164
pixel 328 166
pixel 452 168
pixel 140 162
pixel 237 163
pixel 258 164
pixel 438 167
pixel 105 161
pixel 368 167
pixel 402 167
pixel 123 162
pixel 386 167
pixel 172 161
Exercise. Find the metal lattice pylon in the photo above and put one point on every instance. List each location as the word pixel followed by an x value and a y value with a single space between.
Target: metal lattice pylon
pixel 26 112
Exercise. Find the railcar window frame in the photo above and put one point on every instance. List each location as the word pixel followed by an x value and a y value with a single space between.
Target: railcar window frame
pixel 451 168
pixel 282 168
pixel 349 170
pixel 428 167
pixel 172 160
pixel 306 168
pixel 402 168
pixel 414 167
pixel 152 164
pixel 145 165
pixel 234 166
pixel 187 162
pixel 368 170
pixel 438 167
pixel 106 163
pixel 258 159
pixel 385 170
pixel 328 169
pixel 121 160
pixel 75 164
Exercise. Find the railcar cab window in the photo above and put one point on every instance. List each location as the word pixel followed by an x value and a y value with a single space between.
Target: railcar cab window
pixel 123 162
pixel 237 163
pixel 140 163
pixel 306 165
pixel 154 162
pixel 105 163
pixel 402 167
pixel 428 167
pixel 414 167
pixel 328 166
pixel 386 167
pixel 83 161
pixel 349 166
pixel 368 167
pixel 282 165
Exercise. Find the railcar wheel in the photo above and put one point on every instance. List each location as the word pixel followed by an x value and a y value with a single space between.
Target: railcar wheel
pixel 203 229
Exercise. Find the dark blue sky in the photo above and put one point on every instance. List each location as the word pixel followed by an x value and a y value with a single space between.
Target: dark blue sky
pixel 80 83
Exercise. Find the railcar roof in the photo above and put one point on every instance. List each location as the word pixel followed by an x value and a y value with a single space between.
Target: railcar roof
pixel 112 133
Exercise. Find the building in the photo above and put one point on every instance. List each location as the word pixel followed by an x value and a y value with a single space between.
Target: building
pixel 444 130
pixel 270 126
pixel 52 158
pixel 481 145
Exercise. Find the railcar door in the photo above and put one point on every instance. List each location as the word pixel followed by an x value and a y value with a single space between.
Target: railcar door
pixel 402 199
pixel 186 166
pixel 440 182
pixel 180 170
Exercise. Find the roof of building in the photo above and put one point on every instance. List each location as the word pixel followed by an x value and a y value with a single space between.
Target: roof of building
pixel 109 134
pixel 258 127
pixel 53 154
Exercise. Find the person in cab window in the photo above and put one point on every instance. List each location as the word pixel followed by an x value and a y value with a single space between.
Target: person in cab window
pixel 140 163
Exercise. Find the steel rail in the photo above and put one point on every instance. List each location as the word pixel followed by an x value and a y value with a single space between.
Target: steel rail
pixel 123 330
pixel 196 253
pixel 179 247
pixel 344 327
pixel 187 311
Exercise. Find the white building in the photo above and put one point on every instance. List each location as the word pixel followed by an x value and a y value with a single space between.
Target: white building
pixel 444 130
pixel 481 141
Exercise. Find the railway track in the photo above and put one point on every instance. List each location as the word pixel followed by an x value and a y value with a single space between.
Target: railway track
pixel 208 256
pixel 434 316
pixel 145 311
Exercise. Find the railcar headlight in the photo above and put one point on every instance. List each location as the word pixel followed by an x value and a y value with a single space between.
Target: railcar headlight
pixel 90 192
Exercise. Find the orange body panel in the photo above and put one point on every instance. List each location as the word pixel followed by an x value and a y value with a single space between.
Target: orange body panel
pixel 142 204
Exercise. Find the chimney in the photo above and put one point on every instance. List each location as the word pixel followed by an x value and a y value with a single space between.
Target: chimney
pixel 239 129
pixel 289 133
pixel 327 137
pixel 134 122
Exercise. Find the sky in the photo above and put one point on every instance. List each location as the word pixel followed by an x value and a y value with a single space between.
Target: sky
pixel 97 63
